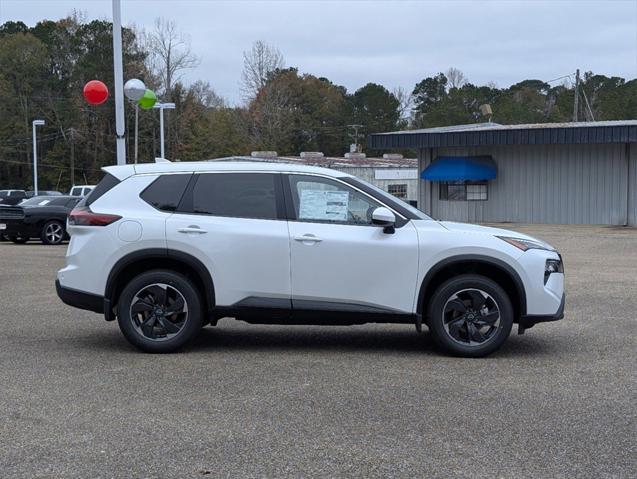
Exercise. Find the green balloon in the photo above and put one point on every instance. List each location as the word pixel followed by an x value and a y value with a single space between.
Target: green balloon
pixel 148 100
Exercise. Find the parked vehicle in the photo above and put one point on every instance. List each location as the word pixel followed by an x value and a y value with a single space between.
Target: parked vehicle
pixel 81 190
pixel 31 194
pixel 166 248
pixel 42 217
pixel 12 197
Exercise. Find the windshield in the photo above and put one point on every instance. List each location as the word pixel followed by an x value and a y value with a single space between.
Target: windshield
pixel 4 193
pixel 36 201
pixel 391 200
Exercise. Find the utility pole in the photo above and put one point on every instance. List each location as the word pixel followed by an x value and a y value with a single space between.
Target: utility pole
pixel 72 135
pixel 355 136
pixel 576 102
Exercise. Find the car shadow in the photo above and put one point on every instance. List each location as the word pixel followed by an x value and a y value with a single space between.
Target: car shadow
pixel 399 340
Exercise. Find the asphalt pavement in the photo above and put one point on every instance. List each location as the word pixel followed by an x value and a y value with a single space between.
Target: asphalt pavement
pixel 77 401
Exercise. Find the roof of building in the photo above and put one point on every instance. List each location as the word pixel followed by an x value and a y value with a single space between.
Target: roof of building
pixel 484 134
pixel 332 162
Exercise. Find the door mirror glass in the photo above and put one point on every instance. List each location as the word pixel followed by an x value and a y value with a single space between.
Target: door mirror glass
pixel 384 217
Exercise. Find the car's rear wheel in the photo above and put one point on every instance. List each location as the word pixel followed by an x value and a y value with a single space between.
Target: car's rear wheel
pixel 52 233
pixel 159 311
pixel 470 315
pixel 19 239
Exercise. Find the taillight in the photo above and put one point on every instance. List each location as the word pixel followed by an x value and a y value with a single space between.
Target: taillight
pixel 83 216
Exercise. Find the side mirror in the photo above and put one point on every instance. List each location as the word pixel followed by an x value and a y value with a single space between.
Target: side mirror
pixel 384 217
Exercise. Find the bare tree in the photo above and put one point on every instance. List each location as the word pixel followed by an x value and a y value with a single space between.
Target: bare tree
pixel 169 53
pixel 455 78
pixel 261 60
pixel 405 100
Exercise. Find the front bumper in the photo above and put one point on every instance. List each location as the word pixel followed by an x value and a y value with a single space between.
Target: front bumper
pixel 80 299
pixel 529 320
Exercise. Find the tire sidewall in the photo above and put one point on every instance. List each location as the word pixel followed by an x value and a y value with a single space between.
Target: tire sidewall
pixel 43 237
pixel 453 285
pixel 181 284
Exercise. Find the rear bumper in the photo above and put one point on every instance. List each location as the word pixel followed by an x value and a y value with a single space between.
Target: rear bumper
pixel 80 299
pixel 530 320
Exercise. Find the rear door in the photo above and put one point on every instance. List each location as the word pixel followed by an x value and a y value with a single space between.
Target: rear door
pixel 234 223
pixel 340 260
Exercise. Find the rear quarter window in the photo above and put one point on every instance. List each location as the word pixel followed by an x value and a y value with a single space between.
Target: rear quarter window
pixel 107 183
pixel 166 191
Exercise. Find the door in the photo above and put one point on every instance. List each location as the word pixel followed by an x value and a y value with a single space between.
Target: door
pixel 234 223
pixel 339 259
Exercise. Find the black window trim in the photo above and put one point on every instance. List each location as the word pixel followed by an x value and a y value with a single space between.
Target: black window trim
pixel 186 204
pixel 401 220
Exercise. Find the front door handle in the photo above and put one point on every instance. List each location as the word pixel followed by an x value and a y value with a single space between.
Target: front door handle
pixel 308 238
pixel 192 229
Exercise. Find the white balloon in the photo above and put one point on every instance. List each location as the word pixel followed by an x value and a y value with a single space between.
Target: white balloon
pixel 134 89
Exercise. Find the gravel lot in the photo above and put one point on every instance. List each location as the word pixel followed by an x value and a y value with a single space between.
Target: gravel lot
pixel 365 401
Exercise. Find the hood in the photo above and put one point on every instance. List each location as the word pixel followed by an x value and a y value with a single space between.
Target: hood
pixel 468 228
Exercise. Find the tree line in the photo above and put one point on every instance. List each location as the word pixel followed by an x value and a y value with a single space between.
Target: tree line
pixel 44 68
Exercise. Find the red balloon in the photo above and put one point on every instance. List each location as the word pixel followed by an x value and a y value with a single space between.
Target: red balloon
pixel 95 92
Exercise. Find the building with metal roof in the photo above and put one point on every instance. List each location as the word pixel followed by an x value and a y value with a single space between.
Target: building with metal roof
pixel 564 173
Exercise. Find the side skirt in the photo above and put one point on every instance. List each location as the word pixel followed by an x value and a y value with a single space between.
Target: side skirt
pixel 301 312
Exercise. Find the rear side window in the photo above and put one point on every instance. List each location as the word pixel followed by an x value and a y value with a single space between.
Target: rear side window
pixel 236 195
pixel 166 191
pixel 108 182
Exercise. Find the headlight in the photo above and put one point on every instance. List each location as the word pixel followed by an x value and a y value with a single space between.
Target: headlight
pixel 552 266
pixel 526 244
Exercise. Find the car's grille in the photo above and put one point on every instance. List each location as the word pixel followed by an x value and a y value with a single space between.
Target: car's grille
pixel 9 212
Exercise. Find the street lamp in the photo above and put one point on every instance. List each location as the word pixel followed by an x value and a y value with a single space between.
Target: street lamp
pixel 35 157
pixel 162 107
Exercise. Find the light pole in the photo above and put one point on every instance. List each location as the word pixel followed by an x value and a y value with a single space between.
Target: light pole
pixel 162 107
pixel 35 157
pixel 118 77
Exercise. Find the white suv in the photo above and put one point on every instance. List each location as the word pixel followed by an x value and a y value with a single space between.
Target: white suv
pixel 169 247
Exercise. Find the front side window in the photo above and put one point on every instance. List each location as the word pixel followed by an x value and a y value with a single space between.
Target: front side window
pixel 464 191
pixel 324 200
pixel 236 195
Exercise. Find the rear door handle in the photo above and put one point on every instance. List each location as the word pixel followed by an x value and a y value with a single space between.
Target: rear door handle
pixel 192 229
pixel 309 238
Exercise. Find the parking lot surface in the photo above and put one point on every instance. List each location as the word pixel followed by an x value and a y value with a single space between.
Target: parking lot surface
pixel 77 401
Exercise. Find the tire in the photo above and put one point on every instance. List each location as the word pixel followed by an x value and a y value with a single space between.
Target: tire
pixel 144 312
pixel 470 316
pixel 19 239
pixel 52 233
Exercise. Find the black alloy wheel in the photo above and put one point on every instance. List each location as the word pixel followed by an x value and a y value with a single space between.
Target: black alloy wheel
pixel 470 315
pixel 160 311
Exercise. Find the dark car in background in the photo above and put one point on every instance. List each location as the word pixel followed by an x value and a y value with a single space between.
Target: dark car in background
pixel 12 197
pixel 31 194
pixel 42 217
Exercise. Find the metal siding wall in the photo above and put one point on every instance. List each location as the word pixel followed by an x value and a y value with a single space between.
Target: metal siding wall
pixel 561 184
pixel 632 182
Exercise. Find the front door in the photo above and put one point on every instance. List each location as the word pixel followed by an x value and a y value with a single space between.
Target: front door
pixel 339 259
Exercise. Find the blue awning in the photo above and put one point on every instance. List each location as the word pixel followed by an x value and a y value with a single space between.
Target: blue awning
pixel 458 168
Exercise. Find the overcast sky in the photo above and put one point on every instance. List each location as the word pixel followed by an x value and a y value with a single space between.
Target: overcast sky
pixel 395 43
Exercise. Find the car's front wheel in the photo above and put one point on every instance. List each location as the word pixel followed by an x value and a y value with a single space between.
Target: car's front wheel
pixel 160 311
pixel 470 315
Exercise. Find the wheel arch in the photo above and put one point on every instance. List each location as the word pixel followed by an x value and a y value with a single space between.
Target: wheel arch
pixel 493 268
pixel 157 258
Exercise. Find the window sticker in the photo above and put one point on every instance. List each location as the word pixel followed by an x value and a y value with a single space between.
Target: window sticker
pixel 324 205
